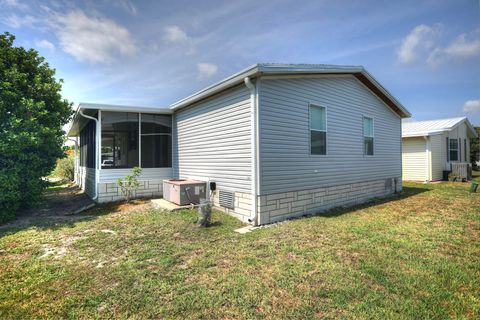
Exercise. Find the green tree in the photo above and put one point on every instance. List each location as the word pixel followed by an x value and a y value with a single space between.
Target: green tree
pixel 475 148
pixel 32 113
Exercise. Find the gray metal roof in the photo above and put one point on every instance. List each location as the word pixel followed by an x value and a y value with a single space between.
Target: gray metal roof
pixel 260 69
pixel 432 127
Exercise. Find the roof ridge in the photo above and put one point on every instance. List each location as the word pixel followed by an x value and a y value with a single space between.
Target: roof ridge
pixel 434 120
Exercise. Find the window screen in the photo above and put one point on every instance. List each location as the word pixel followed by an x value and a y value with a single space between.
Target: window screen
pixel 318 130
pixel 368 138
pixel 156 141
pixel 119 140
pixel 87 145
pixel 453 150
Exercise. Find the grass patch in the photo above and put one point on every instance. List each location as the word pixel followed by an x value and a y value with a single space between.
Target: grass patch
pixel 414 256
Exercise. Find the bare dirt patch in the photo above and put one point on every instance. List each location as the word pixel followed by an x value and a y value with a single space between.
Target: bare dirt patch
pixel 58 205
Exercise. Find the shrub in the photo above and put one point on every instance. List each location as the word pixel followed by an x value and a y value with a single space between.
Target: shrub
pixel 32 114
pixel 65 168
pixel 129 184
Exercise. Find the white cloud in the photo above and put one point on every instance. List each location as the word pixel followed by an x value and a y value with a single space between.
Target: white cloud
pixel 471 106
pixel 174 34
pixel 14 4
pixel 45 44
pixel 93 39
pixel 421 45
pixel 127 6
pixel 466 46
pixel 416 43
pixel 15 21
pixel 206 70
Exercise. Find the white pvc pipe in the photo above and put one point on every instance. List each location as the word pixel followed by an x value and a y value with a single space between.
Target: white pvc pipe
pixel 427 156
pixel 253 131
pixel 97 147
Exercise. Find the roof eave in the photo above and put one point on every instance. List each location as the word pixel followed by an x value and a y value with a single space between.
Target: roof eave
pixel 257 70
pixel 109 107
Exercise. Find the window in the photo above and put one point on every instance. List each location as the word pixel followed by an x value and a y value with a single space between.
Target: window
pixel 87 145
pixel 318 130
pixel 465 149
pixel 156 137
pixel 119 140
pixel 453 149
pixel 368 136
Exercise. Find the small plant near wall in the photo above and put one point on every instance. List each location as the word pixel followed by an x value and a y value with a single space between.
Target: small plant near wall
pixel 129 185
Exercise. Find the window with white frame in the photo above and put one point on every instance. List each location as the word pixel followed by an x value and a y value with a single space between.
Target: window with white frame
pixel 318 130
pixel 368 136
pixel 453 149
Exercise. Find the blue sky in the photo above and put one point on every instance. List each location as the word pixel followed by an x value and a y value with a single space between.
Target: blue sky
pixel 153 53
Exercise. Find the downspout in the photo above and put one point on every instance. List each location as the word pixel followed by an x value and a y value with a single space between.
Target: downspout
pixel 97 150
pixel 427 156
pixel 253 129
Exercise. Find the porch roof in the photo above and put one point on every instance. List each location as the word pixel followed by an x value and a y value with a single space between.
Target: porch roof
pixel 92 108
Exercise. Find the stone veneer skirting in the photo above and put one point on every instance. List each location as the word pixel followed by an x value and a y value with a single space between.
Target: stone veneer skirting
pixel 110 192
pixel 242 206
pixel 281 206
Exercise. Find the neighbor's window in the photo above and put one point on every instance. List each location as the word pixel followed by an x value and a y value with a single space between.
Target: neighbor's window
pixel 119 140
pixel 368 136
pixel 156 139
pixel 453 149
pixel 318 130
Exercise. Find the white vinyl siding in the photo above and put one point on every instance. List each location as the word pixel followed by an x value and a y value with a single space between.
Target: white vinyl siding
pixel 86 180
pixel 213 140
pixel 112 175
pixel 285 160
pixel 438 156
pixel 414 159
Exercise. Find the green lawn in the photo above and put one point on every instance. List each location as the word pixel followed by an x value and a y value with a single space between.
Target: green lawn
pixel 415 256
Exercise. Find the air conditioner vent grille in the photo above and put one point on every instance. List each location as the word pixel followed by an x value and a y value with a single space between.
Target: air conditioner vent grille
pixel 226 199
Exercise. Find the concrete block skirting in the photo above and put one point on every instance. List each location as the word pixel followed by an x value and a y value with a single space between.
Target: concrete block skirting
pixel 280 206
pixel 242 205
pixel 110 192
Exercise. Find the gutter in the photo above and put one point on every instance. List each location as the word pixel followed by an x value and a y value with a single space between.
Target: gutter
pixel 97 149
pixel 254 143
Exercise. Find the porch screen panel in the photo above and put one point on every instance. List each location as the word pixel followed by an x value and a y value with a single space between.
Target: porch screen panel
pixel 156 137
pixel 119 140
pixel 87 145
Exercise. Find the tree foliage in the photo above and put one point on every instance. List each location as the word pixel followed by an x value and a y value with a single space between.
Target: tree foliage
pixel 475 148
pixel 65 168
pixel 32 113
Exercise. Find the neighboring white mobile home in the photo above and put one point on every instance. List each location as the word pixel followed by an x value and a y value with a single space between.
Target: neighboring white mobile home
pixel 278 141
pixel 431 147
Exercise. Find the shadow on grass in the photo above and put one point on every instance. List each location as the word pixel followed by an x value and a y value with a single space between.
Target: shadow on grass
pixel 406 193
pixel 57 210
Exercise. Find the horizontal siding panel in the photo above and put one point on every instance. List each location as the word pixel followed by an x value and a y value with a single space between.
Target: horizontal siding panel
pixel 414 159
pixel 285 160
pixel 112 175
pixel 213 140
pixel 439 156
